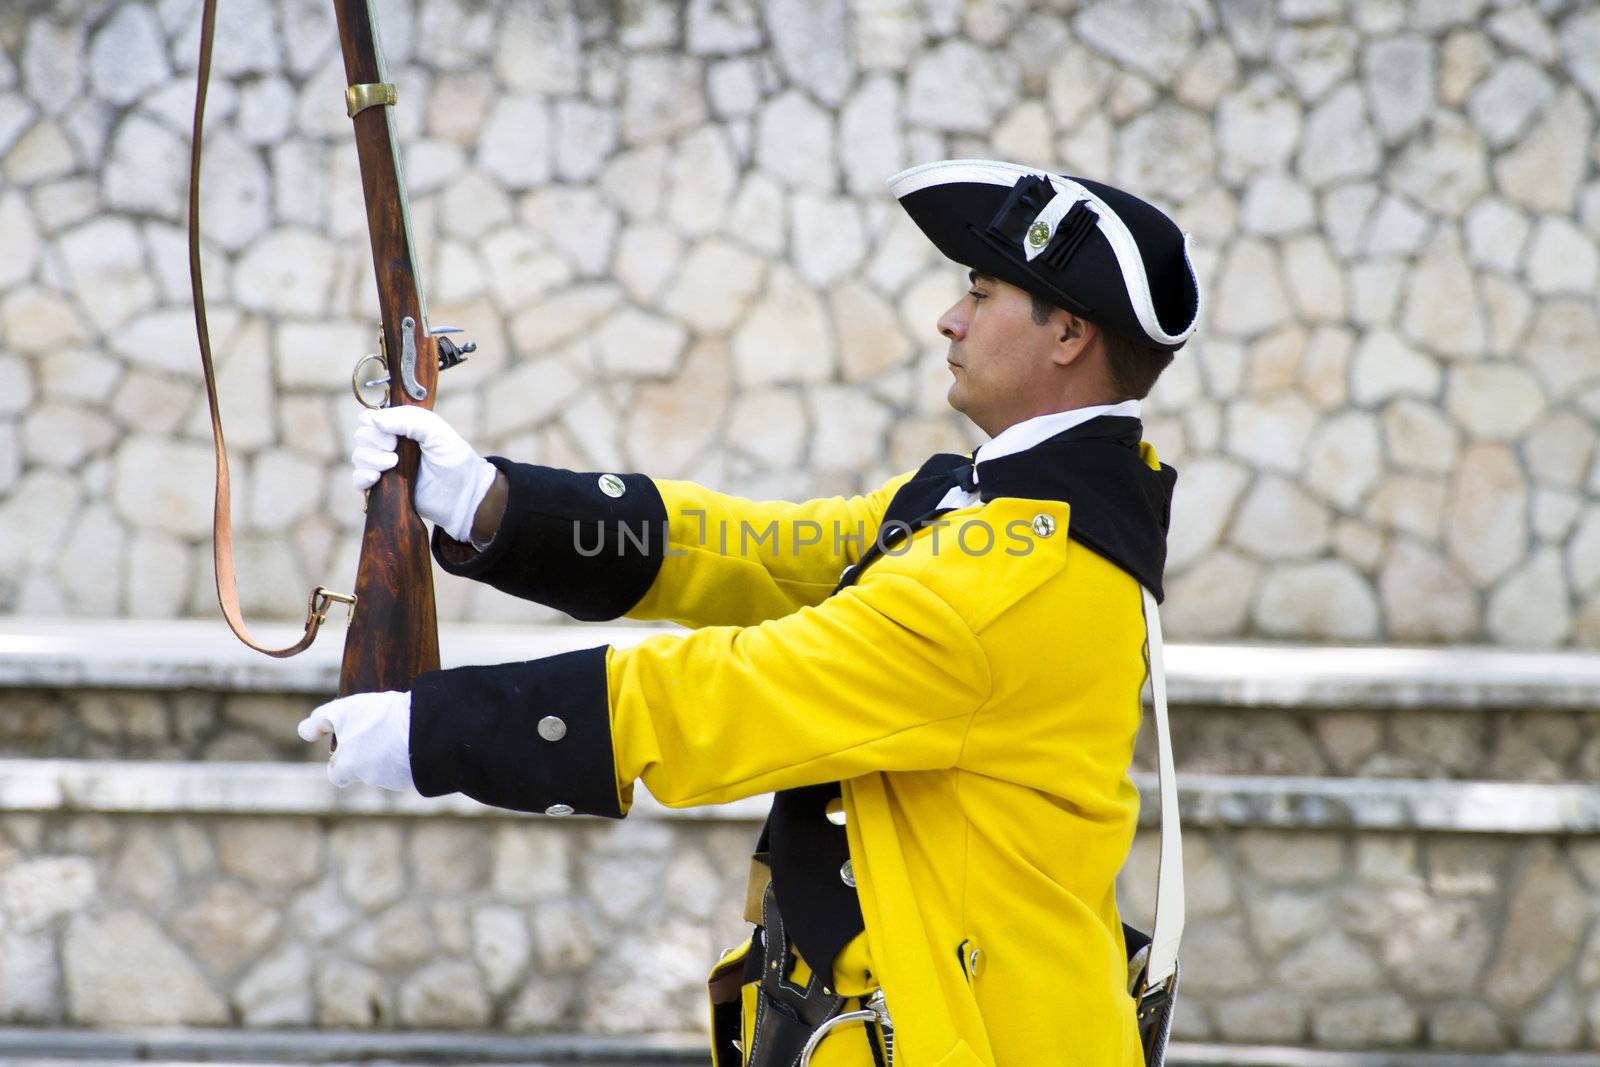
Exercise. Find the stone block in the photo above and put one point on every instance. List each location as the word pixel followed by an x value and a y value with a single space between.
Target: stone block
pixel 850 428
pixel 1561 258
pixel 36 891
pixel 1282 858
pixel 811 43
pixel 531 862
pixel 1270 433
pixel 1344 458
pixel 665 96
pixel 273 853
pixel 30 978
pixel 448 857
pixel 1258 127
pixel 1544 169
pixel 576 223
pixel 1465 1024
pixel 1203 505
pixel 1165 152
pixel 108 960
pixel 287 272
pixel 676 421
pixel 1154 38
pixel 1545 905
pixel 1250 296
pixel 565 940
pixel 785 337
pixel 1531 608
pixel 445 995
pixel 1563 344
pixel 1383 1020
pixel 349 995
pixel 957 62
pixel 321 912
pixel 1486 525
pixel 1282 919
pixel 1218 960
pixel 1502 106
pixel 1425 597
pixel 770 423
pixel 402 936
pixel 1445 165
pixel 228 925
pixel 277 991
pixel 1340 143
pixel 500 945
pixel 1279 520
pixel 1214 599
pixel 367 859
pixel 1270 1017
pixel 544 1004
pixel 1329 963
pixel 1400 75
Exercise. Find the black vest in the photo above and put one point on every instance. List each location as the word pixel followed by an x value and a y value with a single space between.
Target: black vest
pixel 1120 509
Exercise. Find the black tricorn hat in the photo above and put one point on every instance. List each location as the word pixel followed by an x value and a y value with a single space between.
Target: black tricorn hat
pixel 1088 247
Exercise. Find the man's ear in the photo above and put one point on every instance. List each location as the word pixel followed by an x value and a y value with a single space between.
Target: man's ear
pixel 1074 336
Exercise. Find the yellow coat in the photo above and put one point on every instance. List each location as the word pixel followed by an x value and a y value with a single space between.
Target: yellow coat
pixel 980 711
pixel 979 708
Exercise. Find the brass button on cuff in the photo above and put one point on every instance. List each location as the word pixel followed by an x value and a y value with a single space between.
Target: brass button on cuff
pixel 612 486
pixel 552 728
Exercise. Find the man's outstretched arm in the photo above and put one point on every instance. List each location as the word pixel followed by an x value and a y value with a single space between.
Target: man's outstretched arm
pixel 600 545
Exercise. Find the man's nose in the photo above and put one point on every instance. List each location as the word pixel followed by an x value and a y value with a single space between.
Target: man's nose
pixel 953 324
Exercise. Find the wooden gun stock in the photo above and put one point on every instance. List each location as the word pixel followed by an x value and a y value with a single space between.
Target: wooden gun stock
pixel 394 633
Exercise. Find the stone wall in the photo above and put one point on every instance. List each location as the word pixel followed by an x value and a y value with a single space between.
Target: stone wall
pixel 1298 934
pixel 666 227
pixel 1393 851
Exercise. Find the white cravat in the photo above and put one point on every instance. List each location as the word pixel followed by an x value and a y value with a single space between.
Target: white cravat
pixel 1029 432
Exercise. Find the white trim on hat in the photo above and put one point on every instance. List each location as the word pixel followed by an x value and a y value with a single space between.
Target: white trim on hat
pixel 1130 262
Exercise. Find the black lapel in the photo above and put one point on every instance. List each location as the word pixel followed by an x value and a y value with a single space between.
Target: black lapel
pixel 1120 507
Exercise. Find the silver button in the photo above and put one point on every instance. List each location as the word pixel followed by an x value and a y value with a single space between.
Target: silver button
pixel 552 728
pixel 559 809
pixel 975 962
pixel 835 812
pixel 1043 525
pixel 847 874
pixel 612 486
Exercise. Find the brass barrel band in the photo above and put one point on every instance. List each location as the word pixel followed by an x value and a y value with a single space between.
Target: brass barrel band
pixel 357 98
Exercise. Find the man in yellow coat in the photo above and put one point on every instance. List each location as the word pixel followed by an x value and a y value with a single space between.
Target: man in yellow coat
pixel 939 680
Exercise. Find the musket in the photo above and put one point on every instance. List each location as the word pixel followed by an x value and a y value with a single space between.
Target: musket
pixel 393 632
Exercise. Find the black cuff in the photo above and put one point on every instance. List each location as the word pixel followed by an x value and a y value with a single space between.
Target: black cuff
pixel 476 730
pixel 567 542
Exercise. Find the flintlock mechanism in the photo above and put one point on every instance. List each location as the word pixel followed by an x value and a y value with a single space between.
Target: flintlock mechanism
pixel 393 631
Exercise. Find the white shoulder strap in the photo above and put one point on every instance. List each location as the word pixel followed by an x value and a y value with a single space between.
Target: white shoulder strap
pixel 1168 927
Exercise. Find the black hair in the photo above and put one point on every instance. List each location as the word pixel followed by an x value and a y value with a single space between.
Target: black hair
pixel 1132 365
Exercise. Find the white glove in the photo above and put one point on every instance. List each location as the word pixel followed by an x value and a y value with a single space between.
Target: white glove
pixel 453 480
pixel 374 734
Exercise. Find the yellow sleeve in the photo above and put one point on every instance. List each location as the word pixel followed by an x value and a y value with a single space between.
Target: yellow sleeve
pixel 884 676
pixel 735 562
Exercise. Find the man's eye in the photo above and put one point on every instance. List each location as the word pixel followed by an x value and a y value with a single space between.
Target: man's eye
pixel 975 294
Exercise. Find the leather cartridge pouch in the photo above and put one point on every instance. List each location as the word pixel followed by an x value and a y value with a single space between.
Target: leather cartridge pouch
pixel 786 1013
